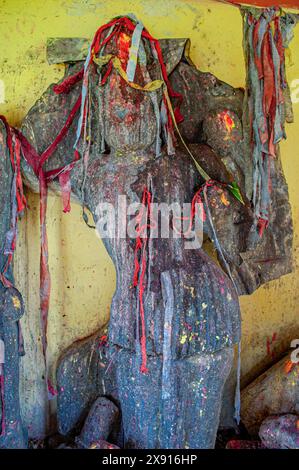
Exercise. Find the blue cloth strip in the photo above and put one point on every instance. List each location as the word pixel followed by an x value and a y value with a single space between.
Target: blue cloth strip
pixel 133 53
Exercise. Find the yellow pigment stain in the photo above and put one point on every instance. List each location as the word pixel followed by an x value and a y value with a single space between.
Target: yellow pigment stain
pixel 191 289
pixel 183 339
pixel 16 302
pixel 224 199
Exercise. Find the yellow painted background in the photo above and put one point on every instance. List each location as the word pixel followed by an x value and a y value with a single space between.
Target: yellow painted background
pixel 82 275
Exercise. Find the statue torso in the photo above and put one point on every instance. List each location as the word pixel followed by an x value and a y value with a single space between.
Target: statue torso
pixel 205 310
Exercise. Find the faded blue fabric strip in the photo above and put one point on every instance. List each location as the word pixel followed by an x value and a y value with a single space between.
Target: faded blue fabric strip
pixel 167 136
pixel 261 34
pixel 133 54
pixel 84 94
pixel 101 100
pixel 278 123
pixel 154 99
pixel 258 119
pixel 10 235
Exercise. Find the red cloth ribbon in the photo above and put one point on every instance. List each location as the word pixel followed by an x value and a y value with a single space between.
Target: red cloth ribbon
pixel 37 161
pixel 142 219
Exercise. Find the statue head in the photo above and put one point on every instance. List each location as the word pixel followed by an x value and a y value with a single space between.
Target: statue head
pixel 127 88
pixel 128 114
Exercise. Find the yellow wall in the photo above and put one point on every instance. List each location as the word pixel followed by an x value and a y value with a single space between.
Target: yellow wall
pixel 82 274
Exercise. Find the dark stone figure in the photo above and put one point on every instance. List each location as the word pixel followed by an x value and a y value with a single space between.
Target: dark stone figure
pixel 11 310
pixel 191 312
pixel 12 432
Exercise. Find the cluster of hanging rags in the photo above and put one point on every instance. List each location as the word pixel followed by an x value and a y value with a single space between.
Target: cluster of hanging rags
pixel 17 200
pixel 267 34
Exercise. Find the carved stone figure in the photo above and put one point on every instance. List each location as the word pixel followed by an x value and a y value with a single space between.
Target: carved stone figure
pixel 172 328
pixel 12 432
pixel 170 361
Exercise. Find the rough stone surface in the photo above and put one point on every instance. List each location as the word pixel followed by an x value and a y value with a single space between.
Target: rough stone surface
pixel 280 432
pixel 99 423
pixel 81 379
pixel 274 392
pixel 147 420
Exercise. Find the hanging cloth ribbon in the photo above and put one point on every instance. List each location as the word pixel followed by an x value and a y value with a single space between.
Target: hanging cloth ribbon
pixel 37 162
pixel 265 33
pixel 17 198
pixel 143 222
pixel 133 52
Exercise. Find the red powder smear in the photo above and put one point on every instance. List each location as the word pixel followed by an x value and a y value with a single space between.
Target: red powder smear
pixel 289 366
pixel 123 44
pixel 186 325
pixel 269 344
pixel 103 341
pixel 268 3
pixel 51 389
pixel 228 121
pixel 262 225
pixel 268 347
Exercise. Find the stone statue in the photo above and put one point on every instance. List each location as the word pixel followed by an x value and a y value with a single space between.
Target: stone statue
pixel 175 315
pixel 12 431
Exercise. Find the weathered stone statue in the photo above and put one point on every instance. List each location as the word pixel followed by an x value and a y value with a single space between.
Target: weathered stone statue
pixel 174 315
pixel 12 432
